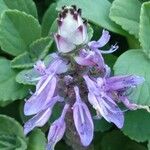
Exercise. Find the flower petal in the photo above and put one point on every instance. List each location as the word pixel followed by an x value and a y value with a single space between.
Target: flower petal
pixel 101 42
pixel 37 102
pixel 56 133
pixel 79 36
pixel 40 67
pixel 63 45
pixel 57 129
pixel 83 120
pixel 121 82
pixel 38 120
pixel 111 112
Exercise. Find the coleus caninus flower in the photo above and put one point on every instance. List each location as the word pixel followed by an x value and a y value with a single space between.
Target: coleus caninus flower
pixel 65 75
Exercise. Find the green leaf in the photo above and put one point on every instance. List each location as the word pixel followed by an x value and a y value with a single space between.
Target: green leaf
pixel 28 6
pixel 37 51
pixel 144 28
pixel 8 142
pixel 17 31
pixel 11 134
pixel 99 14
pixel 10 90
pixel 10 126
pixel 40 48
pixel 137 125
pixel 26 76
pixel 21 5
pixel 126 14
pixel 48 19
pixel 37 140
pixel 115 140
pixel 22 61
pixel 135 62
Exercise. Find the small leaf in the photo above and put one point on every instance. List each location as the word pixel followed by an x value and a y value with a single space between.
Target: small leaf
pixel 8 142
pixel 126 14
pixel 10 126
pixel 26 76
pixel 48 19
pixel 11 134
pixel 115 140
pixel 22 61
pixel 17 31
pixel 99 14
pixel 145 28
pixel 134 62
pixel 40 48
pixel 10 90
pixel 37 140
pixel 37 51
pixel 137 125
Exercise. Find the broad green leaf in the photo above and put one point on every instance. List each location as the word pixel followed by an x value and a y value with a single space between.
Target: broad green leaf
pixel 48 19
pixel 115 140
pixel 11 134
pixel 96 12
pixel 10 90
pixel 28 6
pixel 9 142
pixel 22 61
pixel 137 125
pixel 37 51
pixel 17 31
pixel 37 140
pixel 126 13
pixel 10 126
pixel 145 28
pixel 135 62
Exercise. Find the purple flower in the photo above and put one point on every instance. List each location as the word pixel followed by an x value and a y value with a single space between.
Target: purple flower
pixel 120 85
pixel 102 103
pixel 57 129
pixel 72 30
pixel 103 92
pixel 95 45
pixel 40 118
pixel 45 88
pixel 82 119
pixel 123 82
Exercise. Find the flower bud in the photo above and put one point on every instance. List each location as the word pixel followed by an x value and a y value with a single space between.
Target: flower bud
pixel 72 30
